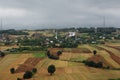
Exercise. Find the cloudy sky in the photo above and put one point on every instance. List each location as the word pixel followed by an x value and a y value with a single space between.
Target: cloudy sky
pixel 34 14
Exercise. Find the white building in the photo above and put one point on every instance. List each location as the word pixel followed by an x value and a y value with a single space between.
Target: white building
pixel 72 34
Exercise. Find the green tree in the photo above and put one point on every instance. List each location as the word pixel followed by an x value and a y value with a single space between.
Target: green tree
pixel 51 69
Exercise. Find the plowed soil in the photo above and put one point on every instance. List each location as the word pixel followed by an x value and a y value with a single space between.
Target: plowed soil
pixel 28 65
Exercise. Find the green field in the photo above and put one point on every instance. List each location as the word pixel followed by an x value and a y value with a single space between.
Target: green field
pixel 39 55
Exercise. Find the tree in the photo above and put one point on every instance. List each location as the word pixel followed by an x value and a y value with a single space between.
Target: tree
pixel 27 75
pixel 51 69
pixel 34 70
pixel 94 52
pixel 12 70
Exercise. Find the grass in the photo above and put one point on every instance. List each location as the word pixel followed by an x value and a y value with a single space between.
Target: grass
pixel 39 55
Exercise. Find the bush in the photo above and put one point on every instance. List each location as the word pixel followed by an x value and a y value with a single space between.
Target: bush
pixel 27 75
pixel 48 53
pixel 34 70
pixel 93 64
pixel 2 54
pixel 52 56
pixel 59 53
pixel 12 70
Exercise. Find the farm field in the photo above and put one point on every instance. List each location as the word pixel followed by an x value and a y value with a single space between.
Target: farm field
pixel 68 67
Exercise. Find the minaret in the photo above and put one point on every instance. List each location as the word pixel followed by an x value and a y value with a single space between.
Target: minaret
pixel 95 29
pixel 56 35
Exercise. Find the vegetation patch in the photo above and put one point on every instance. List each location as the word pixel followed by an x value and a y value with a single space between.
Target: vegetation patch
pixel 39 55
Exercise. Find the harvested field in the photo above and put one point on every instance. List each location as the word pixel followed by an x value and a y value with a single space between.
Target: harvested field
pixel 115 47
pixel 65 69
pixel 107 57
pixel 113 56
pixel 80 50
pixel 29 64
pixel 72 50
pixel 74 57
pixel 72 71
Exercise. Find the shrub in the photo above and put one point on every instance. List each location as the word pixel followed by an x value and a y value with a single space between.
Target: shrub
pixel 19 79
pixel 2 54
pixel 34 70
pixel 94 52
pixel 12 70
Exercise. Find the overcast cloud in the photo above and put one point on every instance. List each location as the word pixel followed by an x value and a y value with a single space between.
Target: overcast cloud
pixel 34 14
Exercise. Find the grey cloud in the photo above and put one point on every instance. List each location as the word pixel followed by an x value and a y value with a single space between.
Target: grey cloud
pixel 49 13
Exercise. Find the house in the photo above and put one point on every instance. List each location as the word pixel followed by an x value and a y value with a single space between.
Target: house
pixel 72 34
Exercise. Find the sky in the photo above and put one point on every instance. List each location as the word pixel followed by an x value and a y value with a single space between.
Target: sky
pixel 40 14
